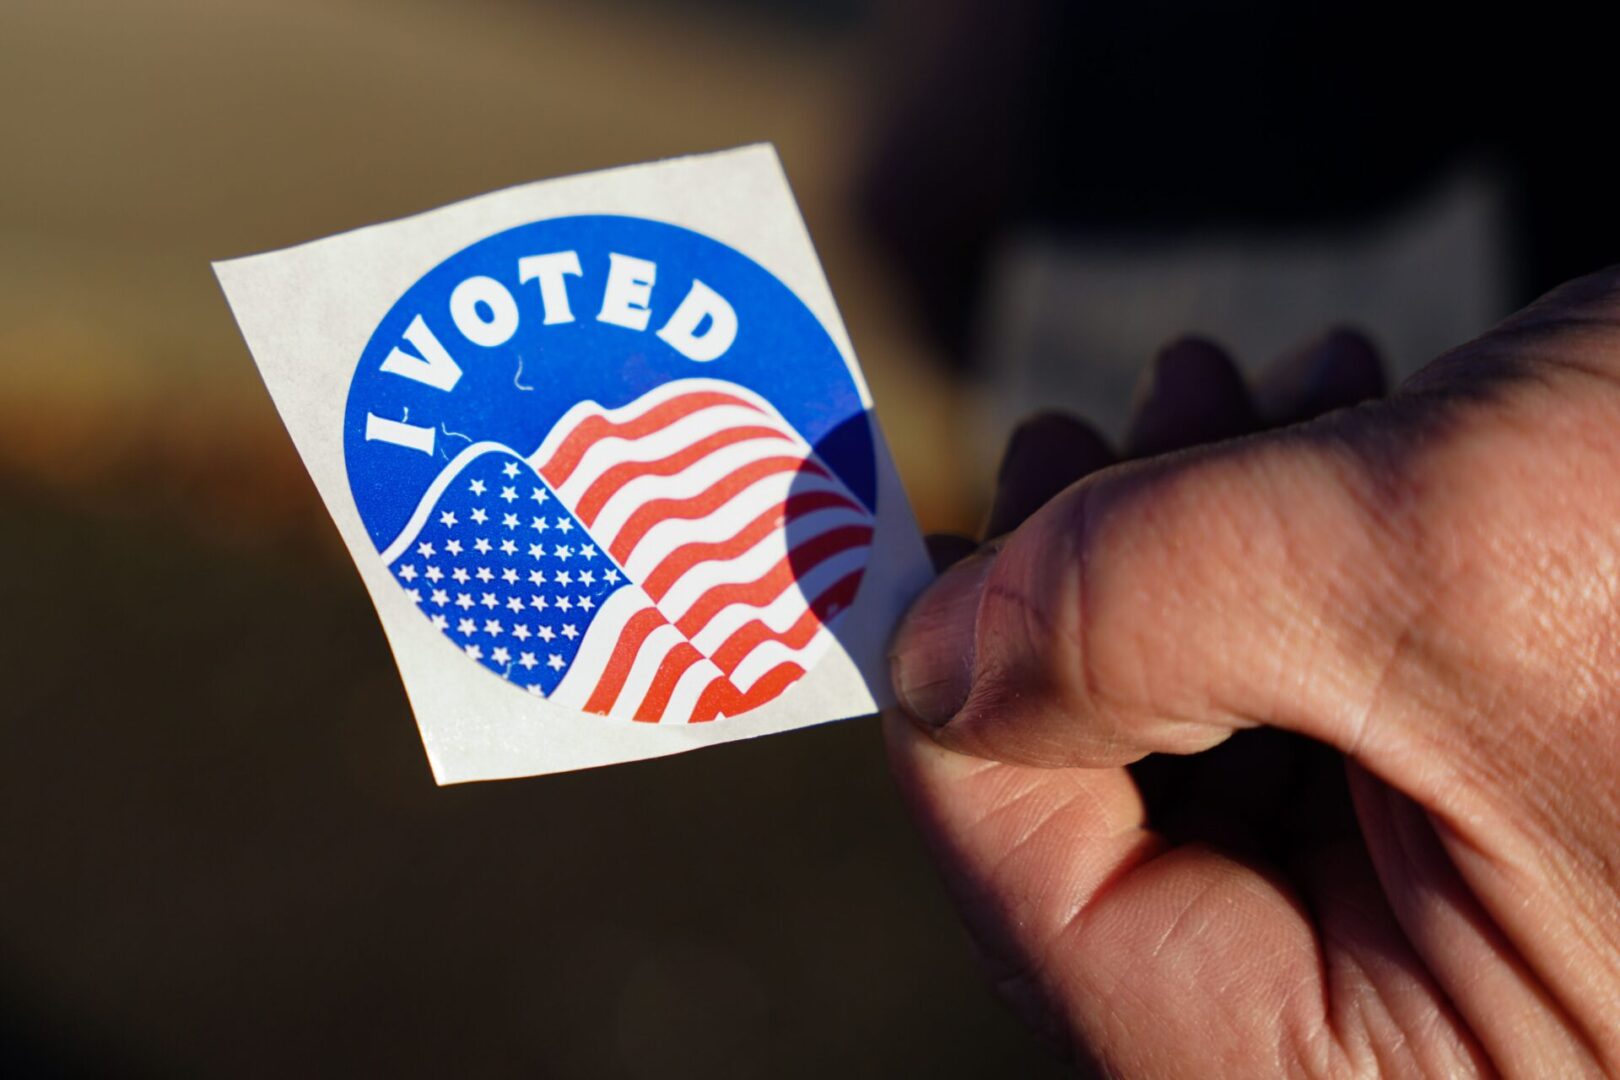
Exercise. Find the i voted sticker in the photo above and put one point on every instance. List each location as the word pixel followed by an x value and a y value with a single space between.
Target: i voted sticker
pixel 603 457
pixel 616 464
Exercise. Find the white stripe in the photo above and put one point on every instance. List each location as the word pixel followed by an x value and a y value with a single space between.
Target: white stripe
pixel 651 399
pixel 617 450
pixel 801 531
pixel 727 521
pixel 407 535
pixel 771 653
pixel 649 659
pixel 749 566
pixel 691 481
pixel 689 691
pixel 579 681
pixel 785 610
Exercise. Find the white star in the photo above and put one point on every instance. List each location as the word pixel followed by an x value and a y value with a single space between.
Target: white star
pixel 441 597
pixel 477 487
pixel 501 656
pixel 461 575
pixel 434 573
pixel 562 551
pixel 509 576
pixel 527 660
pixel 408 572
pixel 439 621
pixel 537 577
pixel 509 520
pixel 562 577
pixel 584 603
pixel 539 524
pixel 564 604
pixel 474 651
pixel 463 601
pixel 482 545
pixel 569 632
pixel 534 688
pixel 466 626
pixel 507 547
pixel 538 603
pixel 611 576
pixel 587 552
pixel 514 605
pixel 510 468
pixel 538 495
pixel 478 515
pixel 415 595
pixel 565 525
pixel 554 662
pixel 485 574
pixel 521 630
pixel 492 627
pixel 425 550
pixel 489 601
pixel 587 578
pixel 453 546
pixel 536 550
pixel 448 519
pixel 546 633
pixel 509 493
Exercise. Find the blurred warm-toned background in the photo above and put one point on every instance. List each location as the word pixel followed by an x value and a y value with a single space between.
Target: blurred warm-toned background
pixel 221 852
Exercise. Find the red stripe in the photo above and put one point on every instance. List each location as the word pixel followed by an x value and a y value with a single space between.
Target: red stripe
pixel 676 661
pixel 623 659
pixel 593 429
pixel 682 559
pixel 722 698
pixel 608 484
pixel 771 584
pixel 749 637
pixel 704 503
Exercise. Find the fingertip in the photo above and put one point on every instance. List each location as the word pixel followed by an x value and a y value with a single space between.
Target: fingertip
pixel 1340 368
pixel 945 550
pixel 912 749
pixel 1045 454
pixel 1191 394
pixel 931 659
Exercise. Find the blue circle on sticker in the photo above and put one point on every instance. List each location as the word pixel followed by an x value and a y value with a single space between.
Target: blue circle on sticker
pixel 618 464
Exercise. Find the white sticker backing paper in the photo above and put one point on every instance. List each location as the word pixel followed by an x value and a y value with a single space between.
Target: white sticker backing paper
pixel 601 451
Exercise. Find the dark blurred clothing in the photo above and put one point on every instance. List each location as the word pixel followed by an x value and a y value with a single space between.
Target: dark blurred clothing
pixel 1266 117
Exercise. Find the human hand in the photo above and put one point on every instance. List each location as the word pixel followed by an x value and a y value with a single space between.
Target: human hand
pixel 1390 641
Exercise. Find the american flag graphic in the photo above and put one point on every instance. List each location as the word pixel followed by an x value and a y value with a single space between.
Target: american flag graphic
pixel 678 559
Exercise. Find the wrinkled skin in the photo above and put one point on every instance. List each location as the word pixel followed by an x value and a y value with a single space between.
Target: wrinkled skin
pixel 1298 752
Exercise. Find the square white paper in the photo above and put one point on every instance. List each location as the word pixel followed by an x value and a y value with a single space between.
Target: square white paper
pixel 609 344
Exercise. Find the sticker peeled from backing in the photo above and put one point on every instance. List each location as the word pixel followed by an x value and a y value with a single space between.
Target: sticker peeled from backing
pixel 603 456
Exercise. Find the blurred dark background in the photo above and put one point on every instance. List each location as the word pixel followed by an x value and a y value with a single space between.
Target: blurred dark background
pixel 221 852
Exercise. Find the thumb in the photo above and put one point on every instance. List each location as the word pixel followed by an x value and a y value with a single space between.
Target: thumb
pixel 1157 607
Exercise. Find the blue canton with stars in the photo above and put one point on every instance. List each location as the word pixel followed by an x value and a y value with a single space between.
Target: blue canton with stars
pixel 507 573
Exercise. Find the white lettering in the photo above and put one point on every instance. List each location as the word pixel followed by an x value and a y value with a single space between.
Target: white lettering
pixel 626 300
pixel 433 368
pixel 484 292
pixel 392 431
pixel 550 270
pixel 701 303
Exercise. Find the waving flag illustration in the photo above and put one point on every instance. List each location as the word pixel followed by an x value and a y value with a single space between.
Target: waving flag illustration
pixel 677 559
